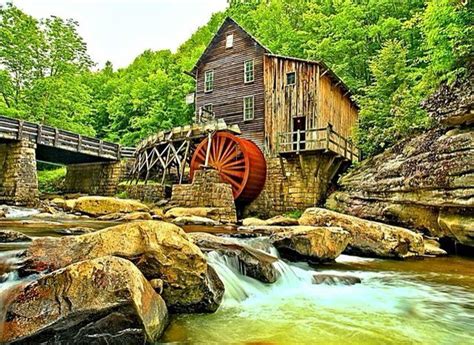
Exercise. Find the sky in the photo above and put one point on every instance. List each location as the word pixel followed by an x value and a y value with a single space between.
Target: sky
pixel 119 30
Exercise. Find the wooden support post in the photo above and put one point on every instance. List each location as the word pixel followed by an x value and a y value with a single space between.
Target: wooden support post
pixel 345 148
pixel 183 165
pixel 39 136
pixel 337 165
pixel 20 130
pixel 101 147
pixel 298 140
pixel 56 137
pixel 208 151
pixel 119 152
pixel 79 142
pixel 328 136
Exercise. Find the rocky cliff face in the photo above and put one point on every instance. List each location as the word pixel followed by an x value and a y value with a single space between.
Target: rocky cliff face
pixel 425 182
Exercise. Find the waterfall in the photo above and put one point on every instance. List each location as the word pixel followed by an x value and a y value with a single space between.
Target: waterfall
pixel 240 288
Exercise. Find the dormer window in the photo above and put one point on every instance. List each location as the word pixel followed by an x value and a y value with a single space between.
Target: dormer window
pixel 248 71
pixel 229 42
pixel 209 81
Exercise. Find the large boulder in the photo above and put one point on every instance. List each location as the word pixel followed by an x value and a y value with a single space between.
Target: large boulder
pixel 368 238
pixel 419 180
pixel 317 244
pixel 100 205
pixel 251 262
pixel 160 250
pixel 101 301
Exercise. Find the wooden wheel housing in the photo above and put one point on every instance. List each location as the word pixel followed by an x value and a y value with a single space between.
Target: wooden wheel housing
pixel 239 162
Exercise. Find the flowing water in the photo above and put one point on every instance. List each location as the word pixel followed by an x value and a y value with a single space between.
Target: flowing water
pixel 427 301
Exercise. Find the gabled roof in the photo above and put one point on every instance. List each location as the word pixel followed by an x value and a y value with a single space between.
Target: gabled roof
pixel 227 20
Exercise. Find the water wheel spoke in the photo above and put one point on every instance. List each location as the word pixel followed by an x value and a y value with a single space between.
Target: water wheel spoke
pixel 238 174
pixel 235 164
pixel 228 150
pixel 222 143
pixel 201 155
pixel 234 155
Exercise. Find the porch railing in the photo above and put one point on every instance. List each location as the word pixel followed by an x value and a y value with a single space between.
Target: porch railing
pixel 317 139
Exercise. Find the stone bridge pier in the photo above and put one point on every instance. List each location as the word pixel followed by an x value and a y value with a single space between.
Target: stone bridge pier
pixel 18 178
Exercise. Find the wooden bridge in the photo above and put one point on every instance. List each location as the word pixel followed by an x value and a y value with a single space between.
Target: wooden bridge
pixel 59 146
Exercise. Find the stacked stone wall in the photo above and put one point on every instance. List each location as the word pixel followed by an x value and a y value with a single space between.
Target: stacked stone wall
pixel 294 183
pixel 148 192
pixel 207 191
pixel 18 177
pixel 94 178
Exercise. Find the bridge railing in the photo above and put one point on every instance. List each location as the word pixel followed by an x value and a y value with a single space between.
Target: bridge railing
pixel 49 136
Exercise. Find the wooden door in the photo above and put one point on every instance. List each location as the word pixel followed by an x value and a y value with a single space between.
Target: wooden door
pixel 299 124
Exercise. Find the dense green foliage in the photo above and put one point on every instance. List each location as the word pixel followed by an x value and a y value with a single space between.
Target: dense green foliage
pixel 51 180
pixel 391 53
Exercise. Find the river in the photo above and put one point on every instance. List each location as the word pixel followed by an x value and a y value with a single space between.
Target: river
pixel 428 301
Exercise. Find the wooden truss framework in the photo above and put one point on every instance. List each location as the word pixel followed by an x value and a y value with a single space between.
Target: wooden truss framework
pixel 165 156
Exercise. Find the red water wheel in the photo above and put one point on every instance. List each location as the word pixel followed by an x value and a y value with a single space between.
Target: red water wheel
pixel 239 162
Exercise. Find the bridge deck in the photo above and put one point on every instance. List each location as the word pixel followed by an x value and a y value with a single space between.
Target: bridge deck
pixel 56 141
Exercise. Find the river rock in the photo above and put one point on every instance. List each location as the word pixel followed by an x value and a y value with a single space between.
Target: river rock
pixel 318 244
pixel 207 212
pixel 100 205
pixel 79 230
pixel 333 279
pixel 101 301
pixel 281 220
pixel 251 262
pixel 10 236
pixel 160 250
pixel 253 222
pixel 368 238
pixel 111 216
pixel 157 213
pixel 194 220
pixel 432 248
pixel 136 216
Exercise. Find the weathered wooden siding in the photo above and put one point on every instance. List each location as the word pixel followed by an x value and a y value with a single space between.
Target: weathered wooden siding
pixel 229 87
pixel 335 108
pixel 282 101
pixel 313 96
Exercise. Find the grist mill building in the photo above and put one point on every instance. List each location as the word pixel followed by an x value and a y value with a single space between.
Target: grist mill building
pixel 288 124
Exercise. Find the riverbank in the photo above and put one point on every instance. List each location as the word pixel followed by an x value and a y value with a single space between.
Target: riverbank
pixel 426 301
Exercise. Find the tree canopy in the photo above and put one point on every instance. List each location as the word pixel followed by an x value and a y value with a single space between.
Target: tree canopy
pixel 391 53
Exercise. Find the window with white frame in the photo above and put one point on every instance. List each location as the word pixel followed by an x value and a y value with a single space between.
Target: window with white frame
pixel 229 42
pixel 248 71
pixel 249 108
pixel 209 81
